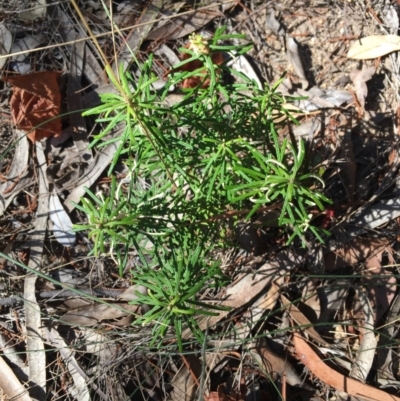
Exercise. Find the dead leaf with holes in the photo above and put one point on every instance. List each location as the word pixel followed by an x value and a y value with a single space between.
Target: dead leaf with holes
pixel 35 104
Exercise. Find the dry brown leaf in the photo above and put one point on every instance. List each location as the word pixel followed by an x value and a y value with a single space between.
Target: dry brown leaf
pixel 374 46
pixel 36 99
pixel 183 25
pixel 359 78
pixel 248 286
pixel 276 365
pixel 213 396
pixel 302 321
pixel 93 314
pixel 186 381
pixel 330 377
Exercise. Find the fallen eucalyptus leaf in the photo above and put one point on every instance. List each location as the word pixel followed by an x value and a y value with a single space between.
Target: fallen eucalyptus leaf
pixel 317 98
pixel 332 378
pixel 91 315
pixel 374 46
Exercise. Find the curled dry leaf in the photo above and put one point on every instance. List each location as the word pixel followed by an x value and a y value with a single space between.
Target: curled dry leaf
pixel 359 78
pixel 374 46
pixel 35 103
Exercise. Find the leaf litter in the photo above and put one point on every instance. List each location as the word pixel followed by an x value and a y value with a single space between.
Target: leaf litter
pixel 347 310
pixel 36 104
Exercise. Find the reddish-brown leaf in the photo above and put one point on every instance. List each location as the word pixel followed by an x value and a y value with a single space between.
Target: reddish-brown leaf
pixel 36 100
pixel 334 379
